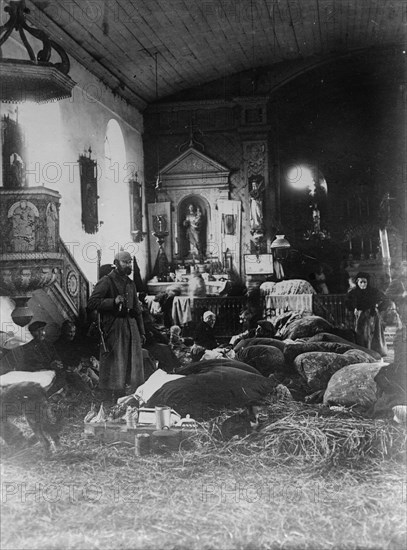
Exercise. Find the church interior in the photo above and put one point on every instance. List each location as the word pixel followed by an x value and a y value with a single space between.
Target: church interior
pixel 203 274
pixel 248 142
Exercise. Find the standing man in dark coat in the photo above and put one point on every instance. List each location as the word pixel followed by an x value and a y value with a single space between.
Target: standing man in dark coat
pixel 121 356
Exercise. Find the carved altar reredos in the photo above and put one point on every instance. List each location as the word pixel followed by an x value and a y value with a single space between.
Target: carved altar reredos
pixel 194 170
pixel 195 177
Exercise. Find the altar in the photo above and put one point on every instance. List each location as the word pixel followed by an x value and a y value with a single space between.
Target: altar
pixel 213 288
pixel 200 223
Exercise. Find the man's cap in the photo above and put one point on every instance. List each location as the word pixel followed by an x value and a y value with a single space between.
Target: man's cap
pixel 36 325
pixel 208 314
pixel 123 256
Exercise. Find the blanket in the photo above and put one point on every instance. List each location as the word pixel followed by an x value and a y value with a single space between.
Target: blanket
pixel 207 394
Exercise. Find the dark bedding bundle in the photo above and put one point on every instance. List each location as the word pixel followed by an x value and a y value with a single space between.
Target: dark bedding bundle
pixel 206 394
pixel 208 364
pixel 304 327
pixel 292 350
pixel 327 337
pixel 259 342
pixel 266 359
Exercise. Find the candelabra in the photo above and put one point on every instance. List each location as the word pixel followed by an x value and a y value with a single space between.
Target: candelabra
pixel 160 233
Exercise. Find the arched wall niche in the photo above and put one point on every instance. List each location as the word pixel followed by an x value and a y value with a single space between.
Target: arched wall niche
pixel 197 201
pixel 192 178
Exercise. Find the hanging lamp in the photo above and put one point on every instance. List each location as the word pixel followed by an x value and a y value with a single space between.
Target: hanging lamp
pixel 280 242
pixel 35 79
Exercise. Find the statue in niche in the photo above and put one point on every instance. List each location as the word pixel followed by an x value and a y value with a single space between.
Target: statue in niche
pixel 256 192
pixel 52 221
pixel 194 224
pixel 16 171
pixel 23 227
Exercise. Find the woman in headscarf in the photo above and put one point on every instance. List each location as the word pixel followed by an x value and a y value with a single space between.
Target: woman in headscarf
pixel 366 301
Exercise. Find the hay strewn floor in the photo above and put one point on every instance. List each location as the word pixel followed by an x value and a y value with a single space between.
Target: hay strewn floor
pixel 286 488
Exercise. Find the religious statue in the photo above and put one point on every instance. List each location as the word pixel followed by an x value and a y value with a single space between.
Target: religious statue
pixel 52 223
pixel 316 219
pixel 256 191
pixel 23 227
pixel 194 224
pixel 16 172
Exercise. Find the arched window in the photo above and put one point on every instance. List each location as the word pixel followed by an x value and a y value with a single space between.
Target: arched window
pixel 115 153
pixel 113 178
pixel 114 197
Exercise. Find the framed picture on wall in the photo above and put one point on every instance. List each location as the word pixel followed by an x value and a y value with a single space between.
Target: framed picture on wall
pixel 258 264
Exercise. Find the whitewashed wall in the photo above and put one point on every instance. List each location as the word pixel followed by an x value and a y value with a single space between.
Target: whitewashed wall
pixel 58 134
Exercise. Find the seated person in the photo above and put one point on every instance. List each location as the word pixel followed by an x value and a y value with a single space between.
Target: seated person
pixel 36 355
pixel 205 344
pixel 176 339
pixel 82 370
pixel 264 329
pixel 157 348
pixel 318 280
pixel 234 286
pixel 204 333
pixel 165 299
pixel 67 346
pixel 153 334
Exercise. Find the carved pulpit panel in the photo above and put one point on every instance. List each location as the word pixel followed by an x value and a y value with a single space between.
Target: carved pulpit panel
pixel 23 216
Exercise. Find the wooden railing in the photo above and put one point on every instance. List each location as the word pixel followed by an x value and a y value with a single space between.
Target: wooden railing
pixel 332 308
pixel 74 282
pixel 227 308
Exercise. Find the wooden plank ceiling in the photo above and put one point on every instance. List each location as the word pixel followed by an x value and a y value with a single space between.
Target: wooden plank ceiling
pixel 190 42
